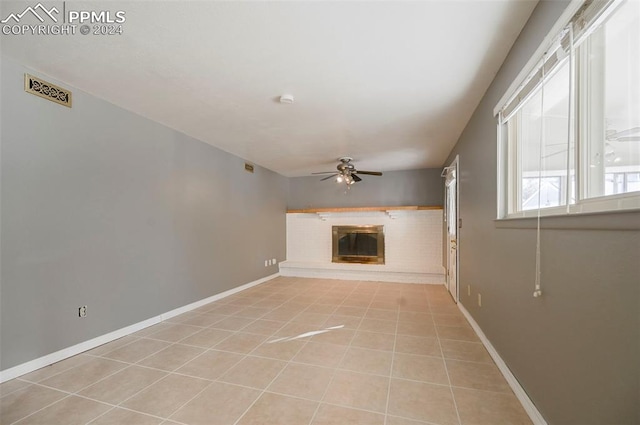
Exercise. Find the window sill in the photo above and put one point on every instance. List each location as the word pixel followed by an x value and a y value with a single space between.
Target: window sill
pixel 597 220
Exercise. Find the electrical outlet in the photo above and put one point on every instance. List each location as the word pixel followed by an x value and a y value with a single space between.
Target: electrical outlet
pixel 273 261
pixel 479 300
pixel 469 290
pixel 266 263
pixel 82 311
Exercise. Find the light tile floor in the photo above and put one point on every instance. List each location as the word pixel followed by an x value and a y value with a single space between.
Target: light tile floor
pixel 290 351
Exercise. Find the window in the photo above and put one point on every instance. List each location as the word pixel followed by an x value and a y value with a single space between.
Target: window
pixel 569 134
pixel 539 133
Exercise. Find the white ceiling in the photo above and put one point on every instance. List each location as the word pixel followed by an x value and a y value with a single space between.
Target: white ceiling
pixel 390 83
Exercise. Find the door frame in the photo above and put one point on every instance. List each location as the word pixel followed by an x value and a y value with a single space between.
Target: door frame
pixel 455 165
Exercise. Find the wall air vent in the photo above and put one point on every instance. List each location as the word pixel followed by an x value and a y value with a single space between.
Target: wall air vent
pixel 47 90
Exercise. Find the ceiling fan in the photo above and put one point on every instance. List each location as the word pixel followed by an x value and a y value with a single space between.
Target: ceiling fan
pixel 347 172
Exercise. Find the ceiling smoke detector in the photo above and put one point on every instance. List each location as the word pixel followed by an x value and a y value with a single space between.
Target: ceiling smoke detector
pixel 286 98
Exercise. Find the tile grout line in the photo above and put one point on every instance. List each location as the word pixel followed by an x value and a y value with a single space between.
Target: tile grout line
pixel 88 352
pixel 76 393
pixel 41 409
pixel 114 407
pixel 176 372
pixel 57 373
pixel 71 394
pixel 4 394
pixel 190 376
pixel 263 391
pixel 168 373
pixel 191 399
pixel 98 417
pixel 129 364
pixel 244 356
pixel 335 370
pixel 331 314
pixel 133 395
pixel 315 298
pixel 446 369
pixel 393 356
pixel 93 357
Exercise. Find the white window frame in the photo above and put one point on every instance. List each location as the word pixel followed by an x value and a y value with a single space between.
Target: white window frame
pixel 507 195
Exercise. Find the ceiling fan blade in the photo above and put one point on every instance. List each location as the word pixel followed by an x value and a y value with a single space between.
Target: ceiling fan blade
pixel 355 177
pixel 328 177
pixel 325 172
pixel 371 173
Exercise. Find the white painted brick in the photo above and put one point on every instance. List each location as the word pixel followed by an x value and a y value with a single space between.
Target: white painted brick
pixel 413 240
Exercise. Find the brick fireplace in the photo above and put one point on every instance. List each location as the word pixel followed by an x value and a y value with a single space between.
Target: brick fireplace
pixel 410 243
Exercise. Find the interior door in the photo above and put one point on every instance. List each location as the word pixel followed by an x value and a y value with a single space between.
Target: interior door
pixel 451 217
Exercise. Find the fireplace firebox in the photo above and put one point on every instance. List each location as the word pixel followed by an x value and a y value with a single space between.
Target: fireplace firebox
pixel 358 244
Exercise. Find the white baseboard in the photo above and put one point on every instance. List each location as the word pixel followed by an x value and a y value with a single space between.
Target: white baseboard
pixel 520 393
pixel 197 304
pixel 65 353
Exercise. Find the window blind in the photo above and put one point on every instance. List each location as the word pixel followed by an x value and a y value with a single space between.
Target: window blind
pixel 583 22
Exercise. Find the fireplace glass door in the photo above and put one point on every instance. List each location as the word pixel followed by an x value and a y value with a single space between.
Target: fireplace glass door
pixel 358 244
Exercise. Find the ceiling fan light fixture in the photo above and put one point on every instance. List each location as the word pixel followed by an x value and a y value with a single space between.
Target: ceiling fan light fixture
pixel 347 172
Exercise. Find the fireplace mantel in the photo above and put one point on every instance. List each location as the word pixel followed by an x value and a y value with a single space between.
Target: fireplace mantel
pixel 393 212
pixel 364 209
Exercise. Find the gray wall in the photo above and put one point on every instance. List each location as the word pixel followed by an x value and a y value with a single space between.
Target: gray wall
pixel 106 208
pixel 393 188
pixel 575 350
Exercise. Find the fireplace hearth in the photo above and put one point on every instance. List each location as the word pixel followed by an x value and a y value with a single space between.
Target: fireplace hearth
pixel 358 244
